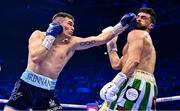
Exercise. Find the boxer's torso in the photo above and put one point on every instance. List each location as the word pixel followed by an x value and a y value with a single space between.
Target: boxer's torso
pixel 148 55
pixel 57 56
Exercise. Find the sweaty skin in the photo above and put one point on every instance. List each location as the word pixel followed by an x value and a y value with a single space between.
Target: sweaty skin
pixel 141 51
pixel 138 52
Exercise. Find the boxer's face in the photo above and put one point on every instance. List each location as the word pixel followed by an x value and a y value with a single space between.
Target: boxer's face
pixel 143 21
pixel 68 25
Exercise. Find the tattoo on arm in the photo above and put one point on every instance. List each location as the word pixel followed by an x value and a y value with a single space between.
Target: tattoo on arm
pixel 88 43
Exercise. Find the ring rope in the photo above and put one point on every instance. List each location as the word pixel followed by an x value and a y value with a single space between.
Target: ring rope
pixel 166 99
pixel 76 106
pixel 63 105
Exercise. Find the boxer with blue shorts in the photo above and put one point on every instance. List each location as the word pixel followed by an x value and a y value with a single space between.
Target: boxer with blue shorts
pixel 34 91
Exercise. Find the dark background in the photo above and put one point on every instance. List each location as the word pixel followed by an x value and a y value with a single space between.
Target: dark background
pixel 88 70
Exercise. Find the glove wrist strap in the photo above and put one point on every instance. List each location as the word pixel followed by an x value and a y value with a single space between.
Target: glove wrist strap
pixel 48 41
pixel 118 28
pixel 119 79
pixel 111 47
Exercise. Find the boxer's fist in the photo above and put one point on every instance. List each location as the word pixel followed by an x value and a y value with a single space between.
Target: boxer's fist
pixel 52 32
pixel 109 91
pixel 54 29
pixel 129 18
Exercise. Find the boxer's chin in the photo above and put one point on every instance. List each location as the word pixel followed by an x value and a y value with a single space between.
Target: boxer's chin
pixel 139 26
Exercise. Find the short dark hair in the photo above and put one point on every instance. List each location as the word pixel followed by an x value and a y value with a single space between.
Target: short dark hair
pixel 62 14
pixel 149 11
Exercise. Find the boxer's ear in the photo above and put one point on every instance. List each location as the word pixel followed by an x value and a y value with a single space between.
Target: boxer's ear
pixel 151 26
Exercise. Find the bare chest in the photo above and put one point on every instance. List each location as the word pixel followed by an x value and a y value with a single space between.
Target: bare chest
pixel 60 53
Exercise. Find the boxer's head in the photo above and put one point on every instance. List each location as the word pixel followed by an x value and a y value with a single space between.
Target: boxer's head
pixel 66 20
pixel 145 19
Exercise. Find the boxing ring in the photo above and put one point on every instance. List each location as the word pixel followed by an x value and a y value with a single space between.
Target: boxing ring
pixel 92 106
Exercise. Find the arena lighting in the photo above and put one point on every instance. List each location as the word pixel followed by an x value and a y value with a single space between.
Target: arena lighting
pixel 144 3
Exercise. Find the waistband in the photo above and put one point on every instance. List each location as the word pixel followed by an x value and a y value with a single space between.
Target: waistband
pixel 38 80
pixel 140 74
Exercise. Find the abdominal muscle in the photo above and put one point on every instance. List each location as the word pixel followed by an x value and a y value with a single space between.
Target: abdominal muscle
pixel 147 62
pixel 52 65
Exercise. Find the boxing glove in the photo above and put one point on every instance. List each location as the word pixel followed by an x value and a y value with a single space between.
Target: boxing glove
pixel 110 90
pixel 127 21
pixel 52 32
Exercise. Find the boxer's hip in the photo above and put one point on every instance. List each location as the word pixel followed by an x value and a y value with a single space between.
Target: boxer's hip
pixel 38 80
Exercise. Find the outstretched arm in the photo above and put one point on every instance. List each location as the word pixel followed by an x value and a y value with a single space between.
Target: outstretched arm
pixel 85 43
pixel 107 34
